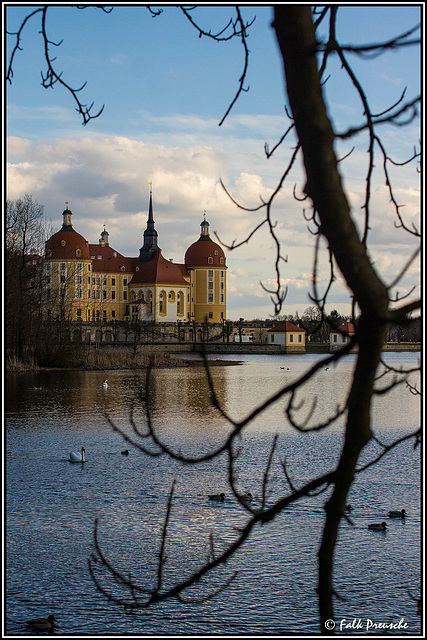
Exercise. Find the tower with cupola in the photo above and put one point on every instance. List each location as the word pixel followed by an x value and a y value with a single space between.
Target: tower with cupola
pixel 206 266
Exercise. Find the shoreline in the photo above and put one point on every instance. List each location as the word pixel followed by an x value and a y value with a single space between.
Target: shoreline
pixel 170 359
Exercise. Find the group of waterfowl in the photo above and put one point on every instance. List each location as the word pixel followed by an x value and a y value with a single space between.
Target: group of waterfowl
pixel 220 497
pixel 80 457
pixel 382 526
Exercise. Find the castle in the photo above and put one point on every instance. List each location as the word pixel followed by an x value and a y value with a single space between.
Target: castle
pixel 95 283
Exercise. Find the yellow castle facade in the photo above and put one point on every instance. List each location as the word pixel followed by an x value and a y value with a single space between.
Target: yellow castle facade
pixel 94 282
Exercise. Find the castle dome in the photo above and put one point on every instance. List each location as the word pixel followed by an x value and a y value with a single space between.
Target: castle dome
pixel 67 243
pixel 204 252
pixel 64 245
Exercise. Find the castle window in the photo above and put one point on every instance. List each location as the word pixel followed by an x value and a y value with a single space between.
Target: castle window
pixel 63 243
pixel 210 285
pixel 210 273
pixel 122 268
pixel 113 295
pixel 210 260
pixel 210 315
pixel 63 266
pixel 113 282
pixel 162 303
pixel 215 252
pixel 78 253
pixel 125 295
pixel 221 261
pixel 210 297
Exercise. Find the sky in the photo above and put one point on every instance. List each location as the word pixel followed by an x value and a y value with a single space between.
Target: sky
pixel 165 91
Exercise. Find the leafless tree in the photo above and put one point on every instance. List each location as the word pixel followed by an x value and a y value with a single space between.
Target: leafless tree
pixel 305 65
pixel 25 233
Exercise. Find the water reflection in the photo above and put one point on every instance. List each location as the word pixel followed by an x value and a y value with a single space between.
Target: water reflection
pixel 51 504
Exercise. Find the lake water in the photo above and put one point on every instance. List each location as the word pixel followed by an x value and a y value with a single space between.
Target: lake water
pixel 52 504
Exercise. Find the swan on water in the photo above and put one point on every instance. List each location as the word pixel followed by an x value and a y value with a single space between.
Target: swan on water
pixel 42 624
pixel 105 384
pixel 77 457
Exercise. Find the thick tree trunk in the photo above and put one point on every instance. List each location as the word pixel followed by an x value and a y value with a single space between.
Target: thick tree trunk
pixel 296 37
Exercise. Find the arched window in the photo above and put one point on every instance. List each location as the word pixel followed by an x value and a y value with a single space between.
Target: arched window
pixel 180 304
pixel 162 303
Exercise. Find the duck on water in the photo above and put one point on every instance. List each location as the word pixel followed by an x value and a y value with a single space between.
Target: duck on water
pixel 42 624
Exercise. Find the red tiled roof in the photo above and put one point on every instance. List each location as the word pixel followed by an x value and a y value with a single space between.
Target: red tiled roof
pixel 107 259
pixel 158 270
pixel 346 327
pixel 285 326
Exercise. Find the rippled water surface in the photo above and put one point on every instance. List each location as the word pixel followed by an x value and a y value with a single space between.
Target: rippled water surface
pixel 52 504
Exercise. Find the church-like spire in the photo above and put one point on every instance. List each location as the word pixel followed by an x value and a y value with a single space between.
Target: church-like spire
pixel 150 234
